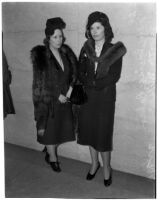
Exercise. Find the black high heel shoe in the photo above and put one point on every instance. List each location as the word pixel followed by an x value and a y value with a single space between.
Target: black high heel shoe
pixel 54 165
pixel 108 182
pixel 91 176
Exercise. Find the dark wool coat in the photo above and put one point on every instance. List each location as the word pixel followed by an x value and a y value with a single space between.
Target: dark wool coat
pixel 8 107
pixel 99 81
pixel 96 116
pixel 46 86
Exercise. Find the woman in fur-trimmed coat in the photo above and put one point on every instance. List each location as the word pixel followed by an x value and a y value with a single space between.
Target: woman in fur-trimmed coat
pixel 100 64
pixel 54 74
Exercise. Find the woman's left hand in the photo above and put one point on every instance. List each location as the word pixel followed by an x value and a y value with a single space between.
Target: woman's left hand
pixel 41 132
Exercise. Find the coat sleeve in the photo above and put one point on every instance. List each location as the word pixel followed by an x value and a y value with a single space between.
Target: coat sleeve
pixel 40 107
pixel 7 77
pixel 82 67
pixel 112 77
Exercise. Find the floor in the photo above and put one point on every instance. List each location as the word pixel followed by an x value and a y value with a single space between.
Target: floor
pixel 28 176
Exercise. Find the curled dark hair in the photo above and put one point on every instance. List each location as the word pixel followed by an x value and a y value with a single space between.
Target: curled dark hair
pixel 103 19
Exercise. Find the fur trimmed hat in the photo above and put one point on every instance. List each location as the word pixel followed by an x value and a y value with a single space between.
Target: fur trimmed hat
pixel 54 23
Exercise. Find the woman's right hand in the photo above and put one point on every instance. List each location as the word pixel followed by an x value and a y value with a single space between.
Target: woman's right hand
pixel 41 132
pixel 62 98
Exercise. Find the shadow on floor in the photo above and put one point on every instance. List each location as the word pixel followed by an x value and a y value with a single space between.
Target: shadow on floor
pixel 28 176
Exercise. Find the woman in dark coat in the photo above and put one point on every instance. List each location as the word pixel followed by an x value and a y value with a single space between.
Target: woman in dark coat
pixel 8 106
pixel 100 64
pixel 54 74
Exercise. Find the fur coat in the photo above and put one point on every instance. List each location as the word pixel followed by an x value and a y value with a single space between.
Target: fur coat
pixel 46 88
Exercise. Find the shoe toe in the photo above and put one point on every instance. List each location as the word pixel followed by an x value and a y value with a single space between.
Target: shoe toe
pixel 89 176
pixel 55 166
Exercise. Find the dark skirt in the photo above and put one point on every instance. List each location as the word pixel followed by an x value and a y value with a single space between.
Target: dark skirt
pixel 60 128
pixel 96 120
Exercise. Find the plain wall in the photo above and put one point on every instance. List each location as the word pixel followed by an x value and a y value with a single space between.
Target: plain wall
pixel 135 25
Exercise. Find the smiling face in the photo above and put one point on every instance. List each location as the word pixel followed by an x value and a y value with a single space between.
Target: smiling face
pixel 97 31
pixel 56 39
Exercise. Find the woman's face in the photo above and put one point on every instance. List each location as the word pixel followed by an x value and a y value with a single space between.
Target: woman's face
pixel 56 39
pixel 97 31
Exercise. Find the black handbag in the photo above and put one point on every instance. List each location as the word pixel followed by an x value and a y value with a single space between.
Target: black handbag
pixel 78 95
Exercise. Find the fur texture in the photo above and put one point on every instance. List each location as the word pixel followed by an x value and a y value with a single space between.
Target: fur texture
pixel 39 57
pixel 111 56
pixel 46 87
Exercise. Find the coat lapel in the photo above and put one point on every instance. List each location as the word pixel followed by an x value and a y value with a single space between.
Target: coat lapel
pixel 105 48
pixel 58 66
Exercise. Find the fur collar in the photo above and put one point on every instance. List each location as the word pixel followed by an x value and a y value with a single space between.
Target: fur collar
pixel 111 53
pixel 40 56
pixel 114 51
